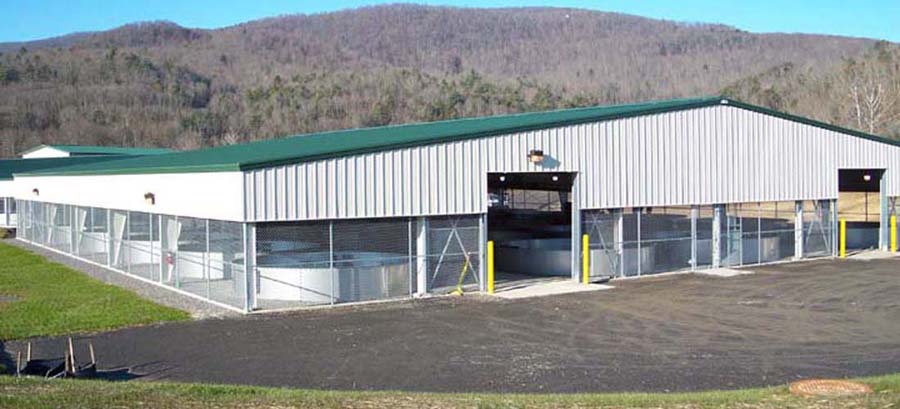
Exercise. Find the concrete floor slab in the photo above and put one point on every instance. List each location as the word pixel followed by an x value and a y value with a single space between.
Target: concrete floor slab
pixel 873 255
pixel 543 289
pixel 724 272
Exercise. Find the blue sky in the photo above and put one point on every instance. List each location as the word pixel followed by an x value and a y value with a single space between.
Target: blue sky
pixel 24 20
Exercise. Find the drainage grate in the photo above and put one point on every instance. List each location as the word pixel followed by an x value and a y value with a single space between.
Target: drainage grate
pixel 828 387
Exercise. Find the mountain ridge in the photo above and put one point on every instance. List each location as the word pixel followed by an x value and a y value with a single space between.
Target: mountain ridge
pixel 161 84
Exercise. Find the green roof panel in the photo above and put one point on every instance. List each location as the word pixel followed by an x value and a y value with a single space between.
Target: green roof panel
pixel 309 147
pixel 102 150
pixel 9 167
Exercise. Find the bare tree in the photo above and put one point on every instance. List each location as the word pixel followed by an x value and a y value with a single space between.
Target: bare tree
pixel 871 89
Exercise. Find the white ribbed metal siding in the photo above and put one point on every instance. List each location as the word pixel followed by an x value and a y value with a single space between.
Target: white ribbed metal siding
pixel 710 155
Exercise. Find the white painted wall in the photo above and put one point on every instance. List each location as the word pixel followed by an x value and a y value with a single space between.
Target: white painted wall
pixel 46 152
pixel 7 188
pixel 214 195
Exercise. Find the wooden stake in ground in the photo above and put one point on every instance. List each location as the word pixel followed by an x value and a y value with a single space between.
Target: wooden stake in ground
pixel 71 355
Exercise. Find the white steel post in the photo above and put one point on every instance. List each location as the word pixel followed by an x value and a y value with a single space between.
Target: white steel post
pixel 162 248
pixel 620 242
pixel 126 251
pixel 884 229
pixel 717 236
pixel 206 263
pixel 798 230
pixel 640 254
pixel 331 258
pixel 409 253
pixel 482 248
pixel 835 228
pixel 249 267
pixel 694 214
pixel 422 256
pixel 576 232
pixel 109 238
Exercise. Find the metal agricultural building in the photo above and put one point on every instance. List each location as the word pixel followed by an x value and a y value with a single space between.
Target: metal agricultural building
pixel 399 211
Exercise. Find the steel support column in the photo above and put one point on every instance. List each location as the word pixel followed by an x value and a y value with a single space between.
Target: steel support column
pixel 835 229
pixel 482 248
pixel 620 241
pixel 695 212
pixel 109 238
pixel 884 228
pixel 798 230
pixel 576 232
pixel 718 212
pixel 249 232
pixel 422 256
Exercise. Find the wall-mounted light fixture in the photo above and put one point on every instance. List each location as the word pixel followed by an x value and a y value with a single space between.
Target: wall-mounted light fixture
pixel 536 156
pixel 555 178
pixel 36 192
pixel 150 198
pixel 503 178
pixel 867 177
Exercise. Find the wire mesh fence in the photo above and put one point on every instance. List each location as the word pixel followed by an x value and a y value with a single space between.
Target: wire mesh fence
pixel 453 252
pixel 777 231
pixel 330 262
pixel 704 232
pixel 666 239
pixel 198 256
pixel 632 242
pixel 603 230
pixel 755 233
pixel 818 228
pixel 8 212
pixel 861 207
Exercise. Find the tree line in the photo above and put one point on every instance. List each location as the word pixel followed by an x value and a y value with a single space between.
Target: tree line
pixel 158 84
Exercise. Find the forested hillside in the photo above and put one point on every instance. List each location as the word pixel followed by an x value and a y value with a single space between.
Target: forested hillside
pixel 158 84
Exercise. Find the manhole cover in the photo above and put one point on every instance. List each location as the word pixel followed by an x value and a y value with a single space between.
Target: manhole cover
pixel 828 387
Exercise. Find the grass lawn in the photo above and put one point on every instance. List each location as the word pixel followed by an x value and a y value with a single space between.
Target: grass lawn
pixel 39 297
pixel 39 393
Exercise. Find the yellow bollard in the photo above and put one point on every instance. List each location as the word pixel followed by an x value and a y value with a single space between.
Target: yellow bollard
pixel 894 233
pixel 843 238
pixel 586 258
pixel 490 266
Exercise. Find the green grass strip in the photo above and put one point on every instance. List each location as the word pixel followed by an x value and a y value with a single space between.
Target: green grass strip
pixel 44 298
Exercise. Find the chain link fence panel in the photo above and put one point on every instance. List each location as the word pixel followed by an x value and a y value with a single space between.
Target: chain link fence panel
pixel 199 256
pixel 294 265
pixel 453 252
pixel 602 228
pixel 818 228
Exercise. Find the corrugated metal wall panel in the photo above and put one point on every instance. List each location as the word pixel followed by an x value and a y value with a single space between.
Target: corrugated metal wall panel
pixel 702 156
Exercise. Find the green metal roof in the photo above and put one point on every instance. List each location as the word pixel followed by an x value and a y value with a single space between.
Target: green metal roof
pixel 304 148
pixel 101 150
pixel 8 167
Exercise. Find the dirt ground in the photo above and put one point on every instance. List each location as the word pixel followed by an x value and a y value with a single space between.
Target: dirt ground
pixel 826 318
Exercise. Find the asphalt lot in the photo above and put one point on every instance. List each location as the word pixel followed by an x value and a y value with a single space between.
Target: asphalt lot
pixel 825 318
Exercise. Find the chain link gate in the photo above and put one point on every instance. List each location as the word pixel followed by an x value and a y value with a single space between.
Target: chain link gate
pixel 453 254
